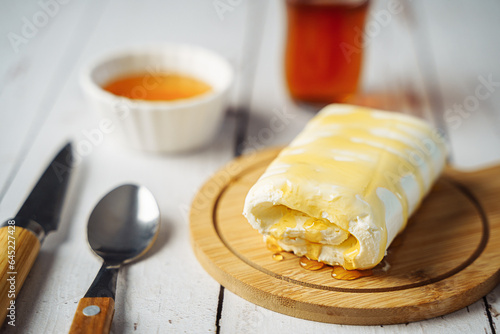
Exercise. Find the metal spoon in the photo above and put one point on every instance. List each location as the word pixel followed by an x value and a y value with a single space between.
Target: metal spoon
pixel 122 227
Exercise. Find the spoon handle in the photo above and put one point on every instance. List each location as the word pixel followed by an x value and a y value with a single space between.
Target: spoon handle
pixel 95 311
pixel 93 315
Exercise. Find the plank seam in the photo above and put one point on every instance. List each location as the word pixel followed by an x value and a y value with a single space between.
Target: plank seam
pixel 251 46
pixel 487 306
pixel 219 309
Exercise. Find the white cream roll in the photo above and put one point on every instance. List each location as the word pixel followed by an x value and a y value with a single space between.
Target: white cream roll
pixel 345 187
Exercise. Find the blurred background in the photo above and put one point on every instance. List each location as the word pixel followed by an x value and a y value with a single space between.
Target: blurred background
pixel 425 59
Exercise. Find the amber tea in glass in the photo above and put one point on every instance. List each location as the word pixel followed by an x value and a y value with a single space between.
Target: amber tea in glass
pixel 324 52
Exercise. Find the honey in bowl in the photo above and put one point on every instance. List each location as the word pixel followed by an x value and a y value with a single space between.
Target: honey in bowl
pixel 157 87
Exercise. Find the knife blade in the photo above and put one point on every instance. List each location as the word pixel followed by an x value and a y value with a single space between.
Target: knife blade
pixel 22 236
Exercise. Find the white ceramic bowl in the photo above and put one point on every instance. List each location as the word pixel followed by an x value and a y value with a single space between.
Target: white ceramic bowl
pixel 161 126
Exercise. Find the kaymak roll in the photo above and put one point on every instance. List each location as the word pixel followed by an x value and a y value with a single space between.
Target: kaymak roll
pixel 346 185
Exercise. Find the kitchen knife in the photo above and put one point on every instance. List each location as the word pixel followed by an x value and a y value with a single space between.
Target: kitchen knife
pixel 21 236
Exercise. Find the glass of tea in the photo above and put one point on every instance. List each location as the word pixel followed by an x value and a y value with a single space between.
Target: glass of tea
pixel 324 49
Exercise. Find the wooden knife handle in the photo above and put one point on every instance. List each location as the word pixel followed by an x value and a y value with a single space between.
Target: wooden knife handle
pixel 99 310
pixel 19 248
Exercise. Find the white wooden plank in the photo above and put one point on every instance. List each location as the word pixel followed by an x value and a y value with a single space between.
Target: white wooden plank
pixel 26 96
pixel 168 290
pixel 240 316
pixel 466 52
pixel 493 300
pixel 167 285
pixel 31 79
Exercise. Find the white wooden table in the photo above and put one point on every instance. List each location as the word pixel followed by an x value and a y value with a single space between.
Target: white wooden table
pixel 427 59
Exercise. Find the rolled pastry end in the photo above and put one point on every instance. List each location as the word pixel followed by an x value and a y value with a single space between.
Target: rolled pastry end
pixel 328 237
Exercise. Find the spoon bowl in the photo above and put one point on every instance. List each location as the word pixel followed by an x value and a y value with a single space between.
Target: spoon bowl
pixel 124 224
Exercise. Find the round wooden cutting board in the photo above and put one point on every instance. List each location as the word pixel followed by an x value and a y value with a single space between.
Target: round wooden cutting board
pixel 447 258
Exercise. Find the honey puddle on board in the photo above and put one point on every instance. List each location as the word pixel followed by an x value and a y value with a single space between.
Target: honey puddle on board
pixel 278 257
pixel 158 87
pixel 310 264
pixel 338 272
pixel 273 246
